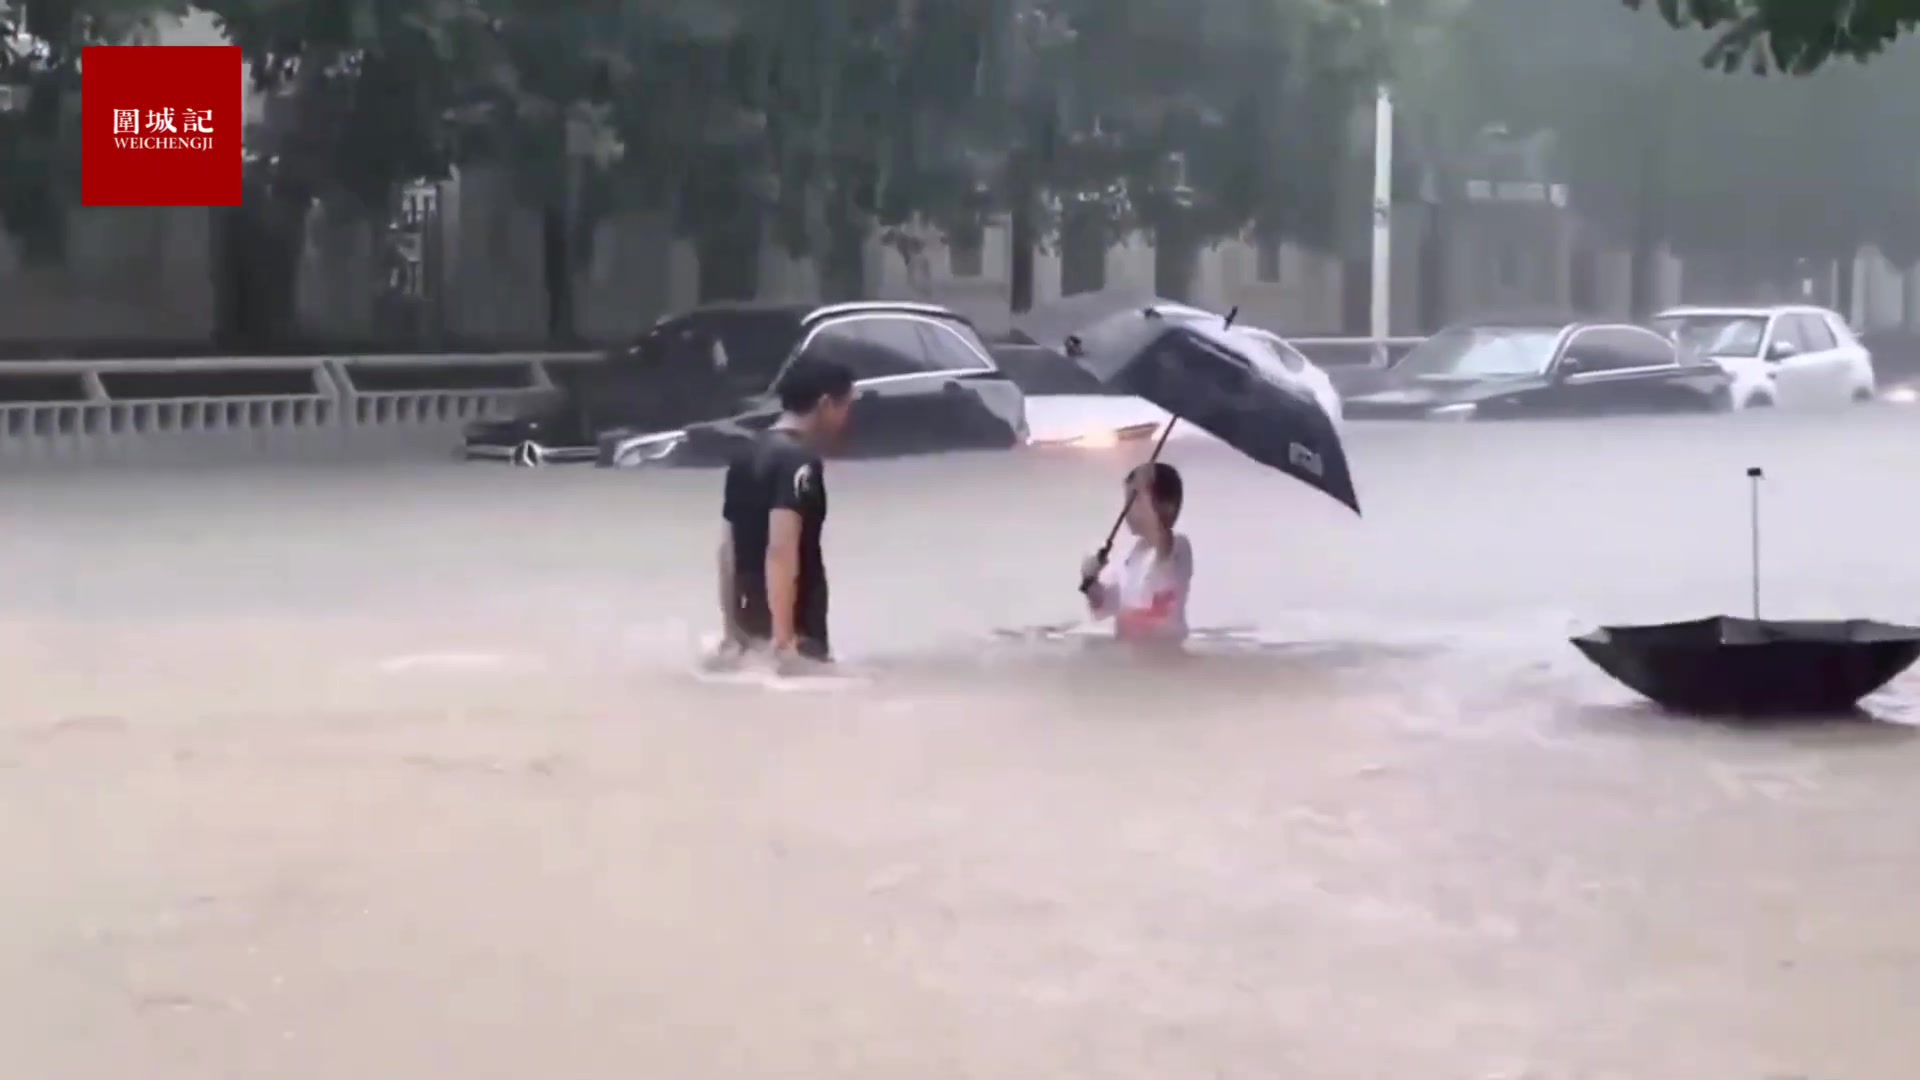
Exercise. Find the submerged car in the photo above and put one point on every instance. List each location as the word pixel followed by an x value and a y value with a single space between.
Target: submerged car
pixel 1790 356
pixel 689 389
pixel 1536 368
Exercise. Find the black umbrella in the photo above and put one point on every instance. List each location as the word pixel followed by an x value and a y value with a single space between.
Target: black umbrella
pixel 1190 365
pixel 1052 323
pixel 1730 666
pixel 1193 367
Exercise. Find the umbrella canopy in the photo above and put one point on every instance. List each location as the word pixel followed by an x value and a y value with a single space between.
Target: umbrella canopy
pixel 1052 323
pixel 1727 666
pixel 1192 365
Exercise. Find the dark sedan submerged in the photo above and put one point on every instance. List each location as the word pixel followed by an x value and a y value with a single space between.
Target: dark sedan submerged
pixel 1528 368
pixel 691 388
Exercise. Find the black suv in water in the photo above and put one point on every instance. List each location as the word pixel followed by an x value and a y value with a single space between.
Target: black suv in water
pixel 688 389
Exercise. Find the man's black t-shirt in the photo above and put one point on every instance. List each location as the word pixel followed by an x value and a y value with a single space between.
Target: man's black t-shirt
pixel 778 472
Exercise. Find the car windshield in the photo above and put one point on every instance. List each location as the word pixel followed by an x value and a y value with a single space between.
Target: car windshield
pixel 744 348
pixel 1482 352
pixel 1715 335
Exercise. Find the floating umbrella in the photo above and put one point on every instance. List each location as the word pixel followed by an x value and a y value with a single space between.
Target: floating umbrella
pixel 1753 667
pixel 1188 363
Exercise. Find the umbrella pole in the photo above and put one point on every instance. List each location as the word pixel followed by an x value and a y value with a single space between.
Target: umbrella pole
pixel 1106 549
pixel 1754 475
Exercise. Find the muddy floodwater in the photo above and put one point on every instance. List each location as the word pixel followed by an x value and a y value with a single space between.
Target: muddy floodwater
pixel 357 773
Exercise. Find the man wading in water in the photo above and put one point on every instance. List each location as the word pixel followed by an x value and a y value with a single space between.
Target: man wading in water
pixel 773 580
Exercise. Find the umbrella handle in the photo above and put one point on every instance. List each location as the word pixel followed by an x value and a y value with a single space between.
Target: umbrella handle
pixel 1087 582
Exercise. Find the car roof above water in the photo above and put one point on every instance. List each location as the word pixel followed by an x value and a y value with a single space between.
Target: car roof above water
pixel 1757 311
pixel 885 307
pixel 1526 320
pixel 813 312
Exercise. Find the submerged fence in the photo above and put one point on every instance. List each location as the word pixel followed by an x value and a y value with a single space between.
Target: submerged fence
pixel 235 407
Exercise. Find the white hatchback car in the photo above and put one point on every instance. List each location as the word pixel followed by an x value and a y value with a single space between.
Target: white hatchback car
pixel 1790 356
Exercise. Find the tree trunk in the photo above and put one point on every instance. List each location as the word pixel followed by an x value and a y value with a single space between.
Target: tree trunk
pixel 843 265
pixel 556 267
pixel 276 277
pixel 1643 286
pixel 1083 255
pixel 1649 215
pixel 226 243
pixel 555 276
pixel 1023 236
pixel 1176 260
pixel 729 256
pixel 257 257
pixel 43 233
pixel 1435 257
pixel 1843 286
pixel 33 197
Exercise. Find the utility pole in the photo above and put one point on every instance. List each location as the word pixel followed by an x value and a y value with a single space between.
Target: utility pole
pixel 1381 322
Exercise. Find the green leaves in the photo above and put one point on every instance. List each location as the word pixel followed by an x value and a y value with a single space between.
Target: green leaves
pixel 811 115
pixel 1221 114
pixel 1792 36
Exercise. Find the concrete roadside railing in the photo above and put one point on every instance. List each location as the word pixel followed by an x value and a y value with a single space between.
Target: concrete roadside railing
pixel 1353 352
pixel 156 409
pixel 236 407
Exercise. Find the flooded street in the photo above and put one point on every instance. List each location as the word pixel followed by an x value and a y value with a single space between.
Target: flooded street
pixel 336 772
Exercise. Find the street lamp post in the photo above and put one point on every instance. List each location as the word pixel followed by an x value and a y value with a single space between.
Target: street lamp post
pixel 1380 324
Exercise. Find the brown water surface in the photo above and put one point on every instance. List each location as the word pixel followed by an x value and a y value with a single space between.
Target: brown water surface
pixel 346 773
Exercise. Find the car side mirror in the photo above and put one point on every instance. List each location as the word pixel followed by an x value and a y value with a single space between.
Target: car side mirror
pixel 1782 350
pixel 1572 365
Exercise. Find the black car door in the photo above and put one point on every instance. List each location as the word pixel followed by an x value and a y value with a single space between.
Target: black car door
pixel 888 358
pixel 1621 369
pixel 972 405
pixel 694 368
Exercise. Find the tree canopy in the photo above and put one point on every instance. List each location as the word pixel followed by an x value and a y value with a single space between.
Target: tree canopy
pixel 817 122
pixel 1793 36
pixel 811 122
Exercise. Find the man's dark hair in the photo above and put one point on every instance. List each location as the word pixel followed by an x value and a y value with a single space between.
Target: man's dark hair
pixel 1165 488
pixel 812 379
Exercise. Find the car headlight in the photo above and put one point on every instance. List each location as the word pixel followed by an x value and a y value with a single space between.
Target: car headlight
pixel 1454 412
pixel 644 449
pixel 1904 395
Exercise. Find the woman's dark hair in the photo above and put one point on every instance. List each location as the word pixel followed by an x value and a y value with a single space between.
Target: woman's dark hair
pixel 1165 488
pixel 812 379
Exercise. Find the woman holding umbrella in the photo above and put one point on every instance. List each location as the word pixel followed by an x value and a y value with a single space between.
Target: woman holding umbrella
pixel 1146 595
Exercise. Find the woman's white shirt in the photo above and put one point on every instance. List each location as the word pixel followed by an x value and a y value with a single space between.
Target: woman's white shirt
pixel 1147 592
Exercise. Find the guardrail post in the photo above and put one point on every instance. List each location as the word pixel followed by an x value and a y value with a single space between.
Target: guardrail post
pixel 341 399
